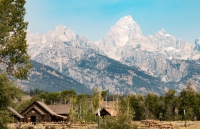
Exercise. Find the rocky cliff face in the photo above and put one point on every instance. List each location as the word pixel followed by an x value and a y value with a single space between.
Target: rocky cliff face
pixel 48 79
pixel 124 61
pixel 197 45
pixel 78 58
pixel 126 43
pixel 126 34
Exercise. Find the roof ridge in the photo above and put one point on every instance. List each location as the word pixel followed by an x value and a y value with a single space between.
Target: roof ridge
pixel 15 112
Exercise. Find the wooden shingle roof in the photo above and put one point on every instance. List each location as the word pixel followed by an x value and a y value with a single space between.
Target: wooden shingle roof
pixel 45 107
pixel 109 104
pixel 38 110
pixel 107 111
pixel 15 113
pixel 50 110
pixel 60 108
pixel 112 112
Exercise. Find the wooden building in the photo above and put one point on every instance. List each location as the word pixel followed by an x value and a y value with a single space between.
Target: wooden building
pixel 18 117
pixel 40 112
pixel 108 111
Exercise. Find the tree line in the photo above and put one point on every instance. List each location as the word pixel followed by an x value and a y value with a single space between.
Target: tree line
pixel 170 106
pixel 15 63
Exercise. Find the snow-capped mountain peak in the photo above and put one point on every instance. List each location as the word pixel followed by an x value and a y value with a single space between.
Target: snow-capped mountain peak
pixel 157 55
pixel 124 31
pixel 125 20
pixel 162 32
pixel 127 25
pixel 62 33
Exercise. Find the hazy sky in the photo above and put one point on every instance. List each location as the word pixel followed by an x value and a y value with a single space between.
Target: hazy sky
pixel 93 18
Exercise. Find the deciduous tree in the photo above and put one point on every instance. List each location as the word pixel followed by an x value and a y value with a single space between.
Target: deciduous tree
pixel 8 91
pixel 14 59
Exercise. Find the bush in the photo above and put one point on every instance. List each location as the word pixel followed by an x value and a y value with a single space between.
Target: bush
pixel 120 122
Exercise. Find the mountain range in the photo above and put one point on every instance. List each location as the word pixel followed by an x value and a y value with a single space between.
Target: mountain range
pixel 124 61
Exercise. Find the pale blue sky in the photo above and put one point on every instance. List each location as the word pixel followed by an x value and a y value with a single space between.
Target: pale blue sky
pixel 93 18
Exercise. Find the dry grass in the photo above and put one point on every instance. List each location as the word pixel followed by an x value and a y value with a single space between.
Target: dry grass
pixel 177 124
pixel 53 126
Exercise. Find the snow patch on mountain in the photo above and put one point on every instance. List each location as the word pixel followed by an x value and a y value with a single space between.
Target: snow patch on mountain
pixel 160 55
pixel 127 32
pixel 126 43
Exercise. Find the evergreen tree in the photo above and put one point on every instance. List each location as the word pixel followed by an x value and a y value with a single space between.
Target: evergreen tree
pixel 152 104
pixel 137 102
pixel 189 102
pixel 171 104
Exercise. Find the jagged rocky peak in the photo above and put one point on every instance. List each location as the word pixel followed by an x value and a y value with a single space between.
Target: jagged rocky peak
pixel 197 44
pixel 62 33
pixel 162 33
pixel 125 20
pixel 127 26
pixel 61 29
pixel 197 41
pixel 124 31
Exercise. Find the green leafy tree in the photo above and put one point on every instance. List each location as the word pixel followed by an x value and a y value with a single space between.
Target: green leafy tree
pixel 37 97
pixel 8 93
pixel 119 122
pixel 14 59
pixel 104 93
pixel 52 98
pixel 126 109
pixel 96 98
pixel 66 95
pixel 137 102
pixel 124 117
pixel 85 108
pixel 23 105
pixel 197 107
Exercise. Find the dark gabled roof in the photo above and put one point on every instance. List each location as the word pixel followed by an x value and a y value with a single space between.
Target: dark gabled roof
pixel 111 112
pixel 45 107
pixel 15 113
pixel 64 117
pixel 60 108
pixel 38 110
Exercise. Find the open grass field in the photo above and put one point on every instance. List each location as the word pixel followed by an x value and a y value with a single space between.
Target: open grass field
pixel 176 125
pixel 54 126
